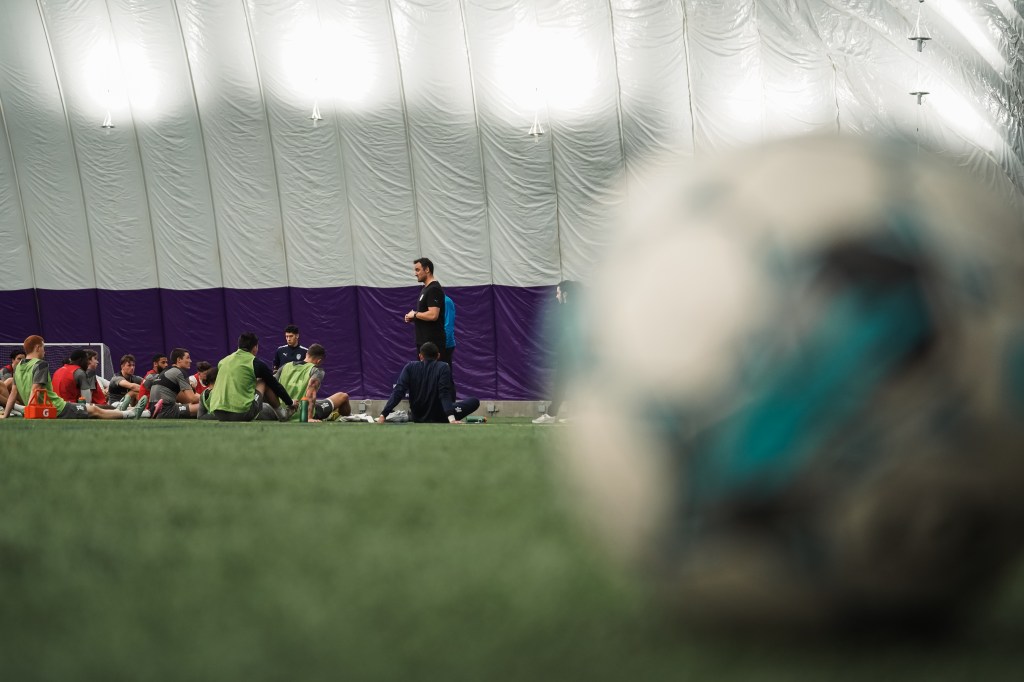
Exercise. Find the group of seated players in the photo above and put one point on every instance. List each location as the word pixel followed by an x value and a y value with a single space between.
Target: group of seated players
pixel 240 388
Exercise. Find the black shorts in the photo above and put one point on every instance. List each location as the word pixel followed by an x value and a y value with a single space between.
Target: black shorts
pixel 322 409
pixel 73 411
pixel 171 410
pixel 247 416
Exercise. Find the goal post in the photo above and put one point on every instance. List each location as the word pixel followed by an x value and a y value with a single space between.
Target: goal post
pixel 57 353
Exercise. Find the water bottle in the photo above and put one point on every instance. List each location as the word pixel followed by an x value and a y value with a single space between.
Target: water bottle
pixel 303 410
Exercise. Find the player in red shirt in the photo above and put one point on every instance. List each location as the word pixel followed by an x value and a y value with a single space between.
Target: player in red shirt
pixel 159 365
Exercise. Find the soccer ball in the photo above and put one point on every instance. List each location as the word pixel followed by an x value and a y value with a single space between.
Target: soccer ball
pixel 803 388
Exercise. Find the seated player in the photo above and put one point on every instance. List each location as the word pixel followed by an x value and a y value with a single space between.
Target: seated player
pixel 70 381
pixel 303 379
pixel 7 377
pixel 124 386
pixel 170 392
pixel 34 373
pixel 198 380
pixel 204 411
pixel 245 386
pixel 96 393
pixel 159 365
pixel 428 383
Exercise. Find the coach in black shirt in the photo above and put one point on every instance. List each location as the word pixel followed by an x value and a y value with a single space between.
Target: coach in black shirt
pixel 428 316
pixel 429 386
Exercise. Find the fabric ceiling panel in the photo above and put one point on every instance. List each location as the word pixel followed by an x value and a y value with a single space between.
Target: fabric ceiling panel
pixel 166 123
pixel 116 206
pixel 446 153
pixel 43 152
pixel 798 79
pixel 650 47
pixel 15 254
pixel 581 89
pixel 725 73
pixel 290 55
pixel 506 52
pixel 363 83
pixel 237 139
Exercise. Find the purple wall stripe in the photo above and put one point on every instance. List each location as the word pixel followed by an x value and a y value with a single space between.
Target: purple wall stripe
pixel 19 316
pixel 193 320
pixel 500 352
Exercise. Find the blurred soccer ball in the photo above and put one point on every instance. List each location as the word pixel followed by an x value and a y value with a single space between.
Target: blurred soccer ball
pixel 804 387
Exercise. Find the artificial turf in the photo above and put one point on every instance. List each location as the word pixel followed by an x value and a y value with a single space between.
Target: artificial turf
pixel 198 551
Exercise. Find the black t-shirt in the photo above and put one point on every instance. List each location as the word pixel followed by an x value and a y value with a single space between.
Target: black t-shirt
pixel 432 296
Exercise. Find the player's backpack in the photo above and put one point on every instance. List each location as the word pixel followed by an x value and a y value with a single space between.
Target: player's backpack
pixel 39 405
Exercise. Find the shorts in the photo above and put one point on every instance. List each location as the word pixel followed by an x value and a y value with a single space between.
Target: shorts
pixel 172 411
pixel 73 411
pixel 254 409
pixel 322 409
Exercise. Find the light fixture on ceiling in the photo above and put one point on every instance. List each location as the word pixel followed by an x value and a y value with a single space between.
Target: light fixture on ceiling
pixel 108 122
pixel 536 130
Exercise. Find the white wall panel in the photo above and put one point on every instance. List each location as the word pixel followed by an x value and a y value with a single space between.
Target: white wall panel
pixel 654 81
pixel 581 90
pixel 362 82
pixel 237 143
pixel 799 97
pixel 116 204
pixel 158 84
pixel 725 73
pixel 290 53
pixel 15 255
pixel 451 200
pixel 43 151
pixel 215 176
pixel 506 52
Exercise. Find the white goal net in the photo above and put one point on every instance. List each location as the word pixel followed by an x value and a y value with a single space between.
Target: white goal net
pixel 57 353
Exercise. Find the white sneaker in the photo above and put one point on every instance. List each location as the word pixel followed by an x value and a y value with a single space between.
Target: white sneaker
pixel 545 419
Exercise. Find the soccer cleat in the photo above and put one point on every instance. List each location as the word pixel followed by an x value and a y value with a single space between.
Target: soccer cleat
pixel 285 412
pixel 125 403
pixel 141 406
pixel 545 419
pixel 156 408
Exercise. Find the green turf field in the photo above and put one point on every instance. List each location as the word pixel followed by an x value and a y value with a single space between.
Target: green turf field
pixel 199 551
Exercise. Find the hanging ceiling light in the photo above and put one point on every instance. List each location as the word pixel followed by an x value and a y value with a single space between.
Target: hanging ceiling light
pixel 536 130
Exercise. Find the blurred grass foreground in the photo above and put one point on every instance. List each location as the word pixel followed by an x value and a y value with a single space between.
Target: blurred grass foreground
pixel 167 551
